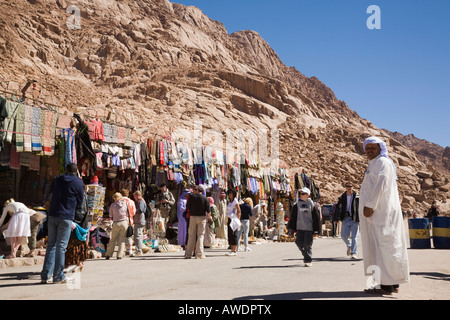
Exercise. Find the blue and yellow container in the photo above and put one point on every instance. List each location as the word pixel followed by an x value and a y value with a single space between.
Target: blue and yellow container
pixel 419 233
pixel 441 232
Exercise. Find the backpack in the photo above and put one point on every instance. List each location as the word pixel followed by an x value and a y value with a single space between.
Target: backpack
pixel 148 212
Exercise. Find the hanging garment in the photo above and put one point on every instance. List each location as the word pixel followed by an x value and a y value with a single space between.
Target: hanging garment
pixel 137 156
pixel 70 154
pixel 121 133
pixel 36 144
pixel 128 142
pixel 27 128
pixel 3 116
pixel 91 129
pixel 9 122
pixel 19 126
pixel 99 133
pixel 114 132
pixel 106 133
pixel 48 120
pixel 161 152
pixel 5 155
pixel 25 159
pixel 14 162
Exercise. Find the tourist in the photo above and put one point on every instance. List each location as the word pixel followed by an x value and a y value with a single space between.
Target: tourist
pixel 139 222
pixel 381 224
pixel 164 202
pixel 68 194
pixel 131 212
pixel 118 212
pixel 246 213
pixel 18 226
pixel 347 211
pixel 199 213
pixel 234 223
pixel 305 220
pixel 36 219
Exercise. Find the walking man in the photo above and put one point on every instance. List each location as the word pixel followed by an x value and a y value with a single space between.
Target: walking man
pixel 139 222
pixel 164 202
pixel 199 211
pixel 348 213
pixel 68 192
pixel 305 220
pixel 381 225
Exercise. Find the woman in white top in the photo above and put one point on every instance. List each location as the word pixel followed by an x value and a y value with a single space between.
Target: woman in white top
pixel 18 225
pixel 234 224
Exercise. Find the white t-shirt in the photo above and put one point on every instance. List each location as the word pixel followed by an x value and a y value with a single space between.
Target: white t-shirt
pixel 231 208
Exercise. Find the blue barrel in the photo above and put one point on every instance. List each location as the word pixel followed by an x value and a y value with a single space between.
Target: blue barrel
pixel 419 233
pixel 441 232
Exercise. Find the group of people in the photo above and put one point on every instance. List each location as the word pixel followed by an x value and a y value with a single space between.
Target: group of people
pixel 203 220
pixel 375 214
pixel 66 226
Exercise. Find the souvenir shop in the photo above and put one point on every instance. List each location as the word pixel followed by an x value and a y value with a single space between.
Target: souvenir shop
pixel 37 142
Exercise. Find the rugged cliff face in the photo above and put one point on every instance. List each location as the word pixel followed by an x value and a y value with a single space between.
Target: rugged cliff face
pixel 158 66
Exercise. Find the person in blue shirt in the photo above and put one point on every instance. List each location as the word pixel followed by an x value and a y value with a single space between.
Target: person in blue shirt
pixel 67 194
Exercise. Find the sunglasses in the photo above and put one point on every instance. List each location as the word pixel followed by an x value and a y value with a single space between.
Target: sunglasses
pixel 349 186
pixel 302 193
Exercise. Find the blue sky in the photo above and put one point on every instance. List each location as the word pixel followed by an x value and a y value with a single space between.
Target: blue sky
pixel 398 77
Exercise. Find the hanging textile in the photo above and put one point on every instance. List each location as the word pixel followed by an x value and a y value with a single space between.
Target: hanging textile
pixel 9 122
pixel 161 152
pixel 36 144
pixel 106 132
pixel 121 133
pixel 19 126
pixel 70 154
pixel 48 123
pixel 98 132
pixel 14 162
pixel 27 128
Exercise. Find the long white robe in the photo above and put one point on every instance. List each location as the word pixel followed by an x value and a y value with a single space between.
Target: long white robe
pixel 382 235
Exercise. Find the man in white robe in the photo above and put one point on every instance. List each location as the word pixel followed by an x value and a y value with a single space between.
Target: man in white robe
pixel 381 224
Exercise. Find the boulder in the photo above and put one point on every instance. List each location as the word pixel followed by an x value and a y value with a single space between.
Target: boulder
pixel 424 174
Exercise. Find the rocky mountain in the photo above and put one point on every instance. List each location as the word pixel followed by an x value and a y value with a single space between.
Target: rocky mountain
pixel 159 66
pixel 429 153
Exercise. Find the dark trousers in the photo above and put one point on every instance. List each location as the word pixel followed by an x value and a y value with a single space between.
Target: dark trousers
pixel 304 240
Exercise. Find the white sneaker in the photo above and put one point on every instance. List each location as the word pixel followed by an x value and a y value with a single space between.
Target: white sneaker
pixel 230 254
pixel 354 256
pixel 65 280
pixel 247 249
pixel 308 264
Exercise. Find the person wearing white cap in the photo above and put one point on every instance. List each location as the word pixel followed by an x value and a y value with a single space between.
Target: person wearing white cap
pixel 381 224
pixel 304 220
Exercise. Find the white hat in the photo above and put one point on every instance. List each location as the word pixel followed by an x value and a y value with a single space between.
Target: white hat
pixel 305 190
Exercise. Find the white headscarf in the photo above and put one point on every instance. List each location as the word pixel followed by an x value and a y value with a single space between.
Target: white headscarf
pixel 383 152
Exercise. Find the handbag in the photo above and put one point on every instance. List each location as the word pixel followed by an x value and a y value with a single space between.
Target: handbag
pixel 130 227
